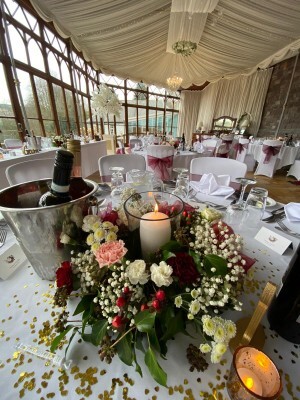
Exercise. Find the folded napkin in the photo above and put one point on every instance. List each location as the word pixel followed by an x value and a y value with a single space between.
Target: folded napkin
pixel 292 212
pixel 213 185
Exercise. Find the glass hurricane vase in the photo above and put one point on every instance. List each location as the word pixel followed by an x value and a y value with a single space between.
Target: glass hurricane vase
pixel 152 219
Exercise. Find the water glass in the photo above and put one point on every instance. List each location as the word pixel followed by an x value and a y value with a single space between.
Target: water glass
pixel 182 186
pixel 117 180
pixel 255 205
pixel 236 216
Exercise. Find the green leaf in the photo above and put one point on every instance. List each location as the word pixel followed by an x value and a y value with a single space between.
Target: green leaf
pixel 197 260
pixel 166 254
pixel 217 262
pixel 59 338
pixel 98 331
pixel 85 318
pixel 154 340
pixel 124 349
pixel 144 320
pixel 87 337
pixel 155 369
pixel 139 341
pixel 174 326
pixel 84 304
pixel 137 365
pixel 171 246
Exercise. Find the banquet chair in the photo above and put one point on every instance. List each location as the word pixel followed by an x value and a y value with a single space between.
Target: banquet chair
pixel 127 161
pixel 240 149
pixel 295 170
pixel 160 160
pixel 211 144
pixel 268 158
pixel 133 142
pixel 31 170
pixel 121 147
pixel 222 151
pixel 13 143
pixel 218 166
pixel 110 143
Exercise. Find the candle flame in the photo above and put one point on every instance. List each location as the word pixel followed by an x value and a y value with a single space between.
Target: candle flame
pixel 249 382
pixel 156 208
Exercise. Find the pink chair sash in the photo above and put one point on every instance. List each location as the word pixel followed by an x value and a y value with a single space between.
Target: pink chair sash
pixel 228 143
pixel 270 151
pixel 160 166
pixel 197 177
pixel 120 150
pixel 239 147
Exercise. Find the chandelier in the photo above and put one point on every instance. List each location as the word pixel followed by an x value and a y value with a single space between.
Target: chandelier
pixel 174 82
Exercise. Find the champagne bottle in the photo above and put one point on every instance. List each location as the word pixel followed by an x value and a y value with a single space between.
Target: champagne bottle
pixel 60 185
pixel 284 311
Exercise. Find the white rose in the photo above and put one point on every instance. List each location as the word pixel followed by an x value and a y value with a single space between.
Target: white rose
pixel 136 272
pixel 161 274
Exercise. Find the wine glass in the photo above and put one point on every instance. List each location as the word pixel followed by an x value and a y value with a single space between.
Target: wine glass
pixel 117 180
pixel 182 183
pixel 244 183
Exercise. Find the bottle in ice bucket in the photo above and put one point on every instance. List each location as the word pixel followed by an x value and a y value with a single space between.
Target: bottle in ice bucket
pixel 60 185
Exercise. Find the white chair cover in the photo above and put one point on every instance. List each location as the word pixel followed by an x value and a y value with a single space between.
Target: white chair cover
pixel 240 149
pixel 160 160
pixel 127 161
pixel 133 142
pixel 13 143
pixel 211 144
pixel 218 166
pixel 31 170
pixel 295 170
pixel 269 158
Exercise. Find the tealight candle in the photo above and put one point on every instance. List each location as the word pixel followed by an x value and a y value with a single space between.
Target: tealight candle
pixel 250 380
pixel 252 376
pixel 155 231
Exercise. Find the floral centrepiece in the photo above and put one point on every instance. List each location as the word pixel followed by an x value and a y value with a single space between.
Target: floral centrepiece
pixel 184 47
pixel 189 280
pixel 105 102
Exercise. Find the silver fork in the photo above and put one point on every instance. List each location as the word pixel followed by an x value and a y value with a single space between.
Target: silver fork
pixel 3 234
pixel 286 229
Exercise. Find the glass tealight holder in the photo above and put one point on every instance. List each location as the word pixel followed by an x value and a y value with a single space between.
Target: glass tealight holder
pixel 253 375
pixel 152 218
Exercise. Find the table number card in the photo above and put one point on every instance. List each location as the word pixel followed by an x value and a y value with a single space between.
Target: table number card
pixel 11 260
pixel 273 240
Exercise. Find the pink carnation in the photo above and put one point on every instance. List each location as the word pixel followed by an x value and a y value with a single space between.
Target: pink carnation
pixel 110 253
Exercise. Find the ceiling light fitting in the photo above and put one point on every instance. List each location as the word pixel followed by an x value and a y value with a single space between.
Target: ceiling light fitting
pixel 174 82
pixel 184 47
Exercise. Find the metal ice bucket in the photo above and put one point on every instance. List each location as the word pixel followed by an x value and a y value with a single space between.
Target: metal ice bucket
pixel 38 229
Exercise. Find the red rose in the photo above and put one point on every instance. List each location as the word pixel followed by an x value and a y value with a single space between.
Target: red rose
pixel 184 268
pixel 64 276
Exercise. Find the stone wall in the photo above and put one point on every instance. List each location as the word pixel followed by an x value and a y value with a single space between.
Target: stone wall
pixel 275 99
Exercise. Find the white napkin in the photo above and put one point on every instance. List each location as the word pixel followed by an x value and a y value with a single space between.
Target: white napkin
pixel 213 185
pixel 292 212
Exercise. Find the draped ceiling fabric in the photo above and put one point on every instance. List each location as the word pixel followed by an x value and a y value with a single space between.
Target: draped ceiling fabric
pixel 128 38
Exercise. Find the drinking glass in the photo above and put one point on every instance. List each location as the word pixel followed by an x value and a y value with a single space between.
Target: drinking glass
pixel 182 186
pixel 117 181
pixel 255 205
pixel 244 183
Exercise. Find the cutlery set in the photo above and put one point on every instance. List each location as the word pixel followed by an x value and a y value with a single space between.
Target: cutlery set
pixel 277 217
pixel 3 234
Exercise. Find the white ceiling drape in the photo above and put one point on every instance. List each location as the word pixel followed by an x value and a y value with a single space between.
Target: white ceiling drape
pixel 226 97
pixel 129 38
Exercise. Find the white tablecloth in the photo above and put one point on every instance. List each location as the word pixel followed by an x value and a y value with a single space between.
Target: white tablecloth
pixel 90 154
pixel 27 306
pixel 286 156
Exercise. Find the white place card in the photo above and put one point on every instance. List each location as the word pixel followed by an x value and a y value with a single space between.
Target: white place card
pixel 11 260
pixel 273 240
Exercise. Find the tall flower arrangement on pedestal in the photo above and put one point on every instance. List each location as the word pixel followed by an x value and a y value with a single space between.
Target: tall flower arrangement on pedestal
pixel 105 102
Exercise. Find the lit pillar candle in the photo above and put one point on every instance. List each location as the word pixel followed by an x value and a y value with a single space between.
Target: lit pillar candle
pixel 250 380
pixel 155 231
